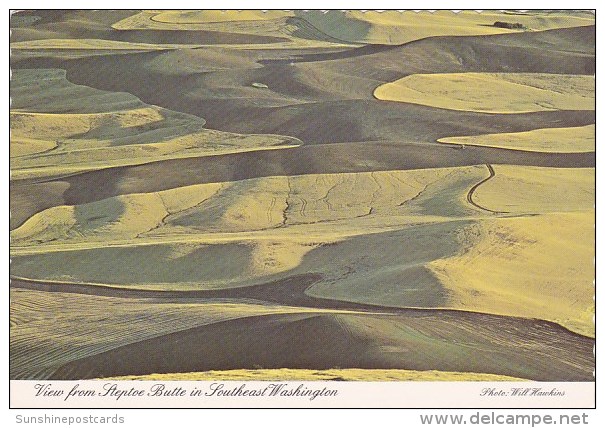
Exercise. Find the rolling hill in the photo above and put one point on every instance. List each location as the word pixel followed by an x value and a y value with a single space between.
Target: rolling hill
pixel 302 195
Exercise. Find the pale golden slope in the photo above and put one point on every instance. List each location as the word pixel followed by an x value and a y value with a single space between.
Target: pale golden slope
pixel 537 265
pixel 552 140
pixel 493 92
pixel 392 27
pixel 362 375
pixel 47 332
pixel 425 245
pixel 76 128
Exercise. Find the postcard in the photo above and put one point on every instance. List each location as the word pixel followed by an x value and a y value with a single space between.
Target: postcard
pixel 302 209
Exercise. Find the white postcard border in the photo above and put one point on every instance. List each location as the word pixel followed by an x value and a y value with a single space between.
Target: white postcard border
pixel 114 394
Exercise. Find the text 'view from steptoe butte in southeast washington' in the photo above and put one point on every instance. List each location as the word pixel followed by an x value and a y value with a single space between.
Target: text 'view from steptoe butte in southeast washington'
pixel 291 195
